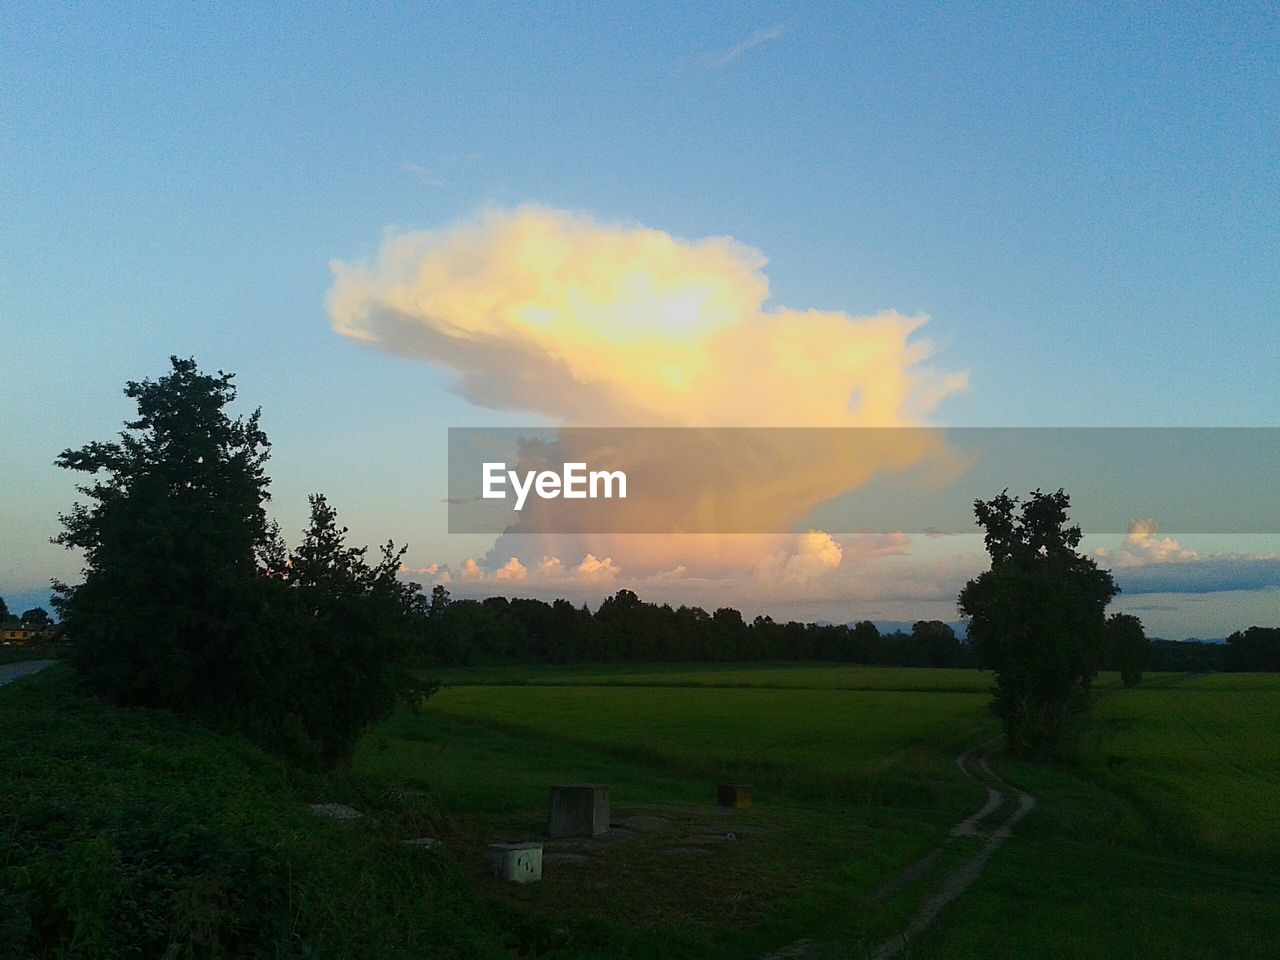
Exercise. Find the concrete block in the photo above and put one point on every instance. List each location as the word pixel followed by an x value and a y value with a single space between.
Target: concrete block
pixel 578 810
pixel 517 862
pixel 736 795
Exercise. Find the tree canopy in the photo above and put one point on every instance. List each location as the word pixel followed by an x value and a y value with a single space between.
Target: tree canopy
pixel 191 601
pixel 1128 647
pixel 171 536
pixel 1037 618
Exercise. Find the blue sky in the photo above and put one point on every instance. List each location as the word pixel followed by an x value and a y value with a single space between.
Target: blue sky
pixel 1084 201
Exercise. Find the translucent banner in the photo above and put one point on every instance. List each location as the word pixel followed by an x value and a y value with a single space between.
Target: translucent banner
pixel 855 480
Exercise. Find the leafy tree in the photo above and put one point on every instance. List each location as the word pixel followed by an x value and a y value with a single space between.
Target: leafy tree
pixel 937 642
pixel 36 617
pixel 4 611
pixel 190 600
pixel 171 540
pixel 1037 619
pixel 356 625
pixel 1129 647
pixel 1256 650
pixel 439 601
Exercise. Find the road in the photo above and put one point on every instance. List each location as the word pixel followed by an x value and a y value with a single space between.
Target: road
pixel 1002 798
pixel 10 672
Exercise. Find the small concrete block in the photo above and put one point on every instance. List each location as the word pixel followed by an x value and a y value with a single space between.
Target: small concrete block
pixel 578 810
pixel 736 795
pixel 517 862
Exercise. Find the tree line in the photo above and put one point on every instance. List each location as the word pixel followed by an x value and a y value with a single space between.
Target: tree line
pixel 1256 650
pixel 626 629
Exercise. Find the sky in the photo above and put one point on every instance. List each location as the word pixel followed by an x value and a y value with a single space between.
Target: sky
pixel 1081 201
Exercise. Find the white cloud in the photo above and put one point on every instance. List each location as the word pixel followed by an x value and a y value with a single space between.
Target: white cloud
pixel 596 571
pixel 513 569
pixel 1143 545
pixel 599 324
pixel 722 60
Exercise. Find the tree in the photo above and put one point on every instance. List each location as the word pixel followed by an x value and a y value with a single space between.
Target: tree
pixel 1256 650
pixel 171 540
pixel 37 617
pixel 4 611
pixel 937 641
pixel 1037 619
pixel 439 601
pixel 356 625
pixel 192 603
pixel 1129 647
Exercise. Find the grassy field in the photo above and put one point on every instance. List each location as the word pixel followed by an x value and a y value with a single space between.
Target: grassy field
pixel 1164 840
pixel 850 785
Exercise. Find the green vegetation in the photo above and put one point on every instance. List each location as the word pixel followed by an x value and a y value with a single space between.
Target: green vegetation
pixel 626 629
pixel 1161 840
pixel 130 832
pixel 1164 840
pixel 1037 619
pixel 41 650
pixel 1201 756
pixel 1128 647
pixel 842 744
pixel 191 601
pixel 850 786
pixel 863 756
pixel 826 676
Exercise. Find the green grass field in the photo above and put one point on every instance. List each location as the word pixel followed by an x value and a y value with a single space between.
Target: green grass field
pixel 1163 840
pixel 850 785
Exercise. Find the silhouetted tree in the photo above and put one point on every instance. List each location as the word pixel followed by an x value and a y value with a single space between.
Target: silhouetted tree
pixel 190 600
pixel 439 600
pixel 1037 618
pixel 1129 647
pixel 1254 650
pixel 1191 656
pixel 937 642
pixel 356 626
pixel 36 617
pixel 171 540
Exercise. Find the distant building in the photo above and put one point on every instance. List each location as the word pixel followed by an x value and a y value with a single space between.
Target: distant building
pixel 19 634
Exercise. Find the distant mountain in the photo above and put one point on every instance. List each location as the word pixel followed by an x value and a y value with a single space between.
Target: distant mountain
pixel 892 626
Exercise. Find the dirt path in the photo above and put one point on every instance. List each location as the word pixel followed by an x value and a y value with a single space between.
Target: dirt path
pixel 13 671
pixel 994 821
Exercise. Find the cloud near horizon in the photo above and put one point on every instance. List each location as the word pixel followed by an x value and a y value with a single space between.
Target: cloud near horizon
pixel 1146 563
pixel 1143 545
